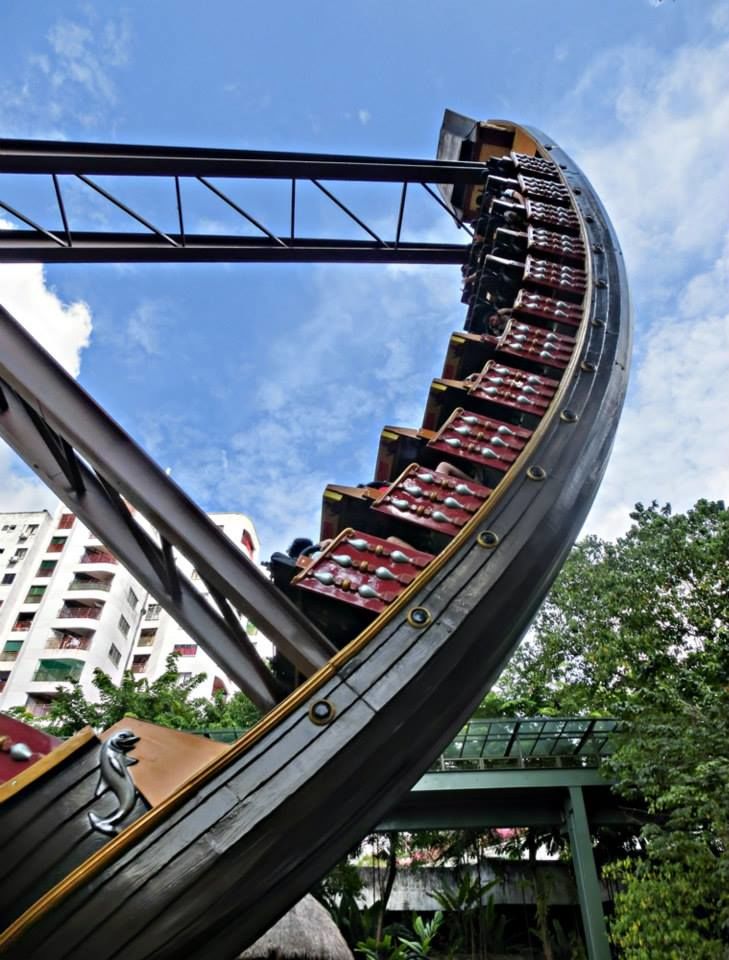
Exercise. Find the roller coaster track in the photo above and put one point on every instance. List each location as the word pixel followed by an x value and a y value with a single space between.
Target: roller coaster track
pixel 529 410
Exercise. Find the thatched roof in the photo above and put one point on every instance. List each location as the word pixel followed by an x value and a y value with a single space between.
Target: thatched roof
pixel 306 932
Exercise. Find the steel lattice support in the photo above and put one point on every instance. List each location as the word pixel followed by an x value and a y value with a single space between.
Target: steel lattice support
pixel 91 464
pixel 82 162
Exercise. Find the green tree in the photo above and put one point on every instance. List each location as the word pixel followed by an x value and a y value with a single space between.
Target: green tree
pixel 169 701
pixel 639 629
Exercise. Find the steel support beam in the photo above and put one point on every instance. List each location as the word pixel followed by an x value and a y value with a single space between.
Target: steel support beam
pixel 588 883
pixel 72 414
pixel 135 548
pixel 82 162
pixel 25 246
pixel 113 159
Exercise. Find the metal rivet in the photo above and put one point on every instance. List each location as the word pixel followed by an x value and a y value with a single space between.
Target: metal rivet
pixel 569 416
pixel 537 473
pixel 589 218
pixel 597 322
pixel 576 190
pixel 419 617
pixel 487 539
pixel 548 146
pixel 598 248
pixel 563 166
pixel 322 712
pixel 601 283
pixel 588 366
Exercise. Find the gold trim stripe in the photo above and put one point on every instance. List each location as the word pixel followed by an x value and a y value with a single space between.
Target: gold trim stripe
pixel 47 763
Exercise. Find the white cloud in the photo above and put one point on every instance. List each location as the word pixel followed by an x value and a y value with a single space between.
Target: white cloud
pixel 661 175
pixel 144 328
pixel 70 81
pixel 364 117
pixel 64 329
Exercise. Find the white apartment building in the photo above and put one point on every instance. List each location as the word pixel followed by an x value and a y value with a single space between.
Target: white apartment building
pixel 68 606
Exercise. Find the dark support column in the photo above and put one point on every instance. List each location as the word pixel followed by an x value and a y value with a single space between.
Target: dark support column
pixel 588 884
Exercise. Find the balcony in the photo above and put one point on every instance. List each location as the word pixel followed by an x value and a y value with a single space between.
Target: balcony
pixel 80 612
pixel 90 583
pixel 98 556
pixel 58 671
pixel 69 641
pixel 23 623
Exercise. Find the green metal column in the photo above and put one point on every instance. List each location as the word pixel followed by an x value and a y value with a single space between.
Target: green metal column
pixel 588 884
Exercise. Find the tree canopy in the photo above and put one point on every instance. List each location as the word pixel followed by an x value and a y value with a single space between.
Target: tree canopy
pixel 639 629
pixel 169 701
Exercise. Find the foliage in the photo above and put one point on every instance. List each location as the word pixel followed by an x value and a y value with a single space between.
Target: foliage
pixel 415 946
pixel 464 901
pixel 622 616
pixel 639 629
pixel 167 701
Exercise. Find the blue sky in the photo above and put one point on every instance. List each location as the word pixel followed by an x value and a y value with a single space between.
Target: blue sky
pixel 257 385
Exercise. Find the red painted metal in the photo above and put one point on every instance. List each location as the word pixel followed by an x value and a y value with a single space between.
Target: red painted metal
pixel 548 215
pixel 546 191
pixel 558 245
pixel 482 440
pixel 535 166
pixel 513 388
pixel 559 278
pixel 529 304
pixel 14 731
pixel 545 347
pixel 432 500
pixel 359 569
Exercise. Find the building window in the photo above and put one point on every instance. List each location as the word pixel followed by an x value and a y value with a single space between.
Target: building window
pixel 183 677
pixel 58 671
pixel 97 555
pixel 24 621
pixel 35 594
pixel 19 554
pixel 11 650
pixel 132 599
pixel 57 544
pixel 46 568
pixel 66 521
pixel 147 636
pixel 153 610
pixel 114 654
pixel 185 649
pixel 7 527
pixel 4 676
pixel 39 704
pixel 8 578
pixel 31 529
pixel 139 662
pixel 123 626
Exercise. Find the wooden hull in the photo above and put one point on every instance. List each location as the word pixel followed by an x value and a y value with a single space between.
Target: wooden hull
pixel 205 873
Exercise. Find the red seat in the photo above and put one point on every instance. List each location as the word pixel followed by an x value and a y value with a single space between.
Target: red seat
pixel 481 440
pixel 433 500
pixel 550 216
pixel 529 304
pixel 362 571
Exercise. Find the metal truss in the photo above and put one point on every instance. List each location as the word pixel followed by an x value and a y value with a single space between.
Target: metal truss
pixel 61 243
pixel 98 471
